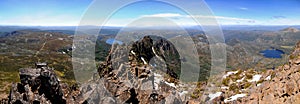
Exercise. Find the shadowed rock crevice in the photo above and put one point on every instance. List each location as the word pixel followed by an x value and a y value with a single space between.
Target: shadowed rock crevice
pixel 133 97
pixel 158 47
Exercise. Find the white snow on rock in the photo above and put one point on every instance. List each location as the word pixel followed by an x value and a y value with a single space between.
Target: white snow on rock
pixel 143 60
pixel 224 87
pixel 183 93
pixel 255 78
pixel 235 97
pixel 258 84
pixel 170 84
pixel 240 80
pixel 215 95
pixel 159 78
pixel 132 52
pixel 58 79
pixel 154 51
pixel 156 54
pixel 229 73
pixel 268 78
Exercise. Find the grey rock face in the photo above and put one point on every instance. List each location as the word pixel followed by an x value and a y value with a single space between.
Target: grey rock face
pixel 38 85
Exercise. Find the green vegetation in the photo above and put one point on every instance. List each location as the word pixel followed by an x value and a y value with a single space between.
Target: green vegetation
pixel 6 78
pixel 226 81
pixel 198 91
pixel 23 51
pixel 234 88
pixel 247 85
pixel 101 50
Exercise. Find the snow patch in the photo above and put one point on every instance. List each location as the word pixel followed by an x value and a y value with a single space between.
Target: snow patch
pixel 143 60
pixel 159 78
pixel 268 78
pixel 183 93
pixel 132 52
pixel 240 80
pixel 58 80
pixel 235 97
pixel 229 73
pixel 258 84
pixel 255 78
pixel 215 95
pixel 154 51
pixel 224 87
pixel 170 84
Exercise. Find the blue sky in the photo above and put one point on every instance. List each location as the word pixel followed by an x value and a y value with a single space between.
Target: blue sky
pixel 227 12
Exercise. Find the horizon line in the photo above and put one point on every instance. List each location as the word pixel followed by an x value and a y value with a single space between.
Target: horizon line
pixel 141 26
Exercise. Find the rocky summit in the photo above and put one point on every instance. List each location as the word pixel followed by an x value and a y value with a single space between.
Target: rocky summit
pixel 144 78
pixel 40 85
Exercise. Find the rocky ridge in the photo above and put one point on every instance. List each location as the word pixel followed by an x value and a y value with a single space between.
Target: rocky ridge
pixel 283 86
pixel 278 86
pixel 144 78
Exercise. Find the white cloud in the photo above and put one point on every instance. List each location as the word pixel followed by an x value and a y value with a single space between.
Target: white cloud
pixel 171 15
pixel 148 20
pixel 41 20
pixel 187 19
pixel 223 20
pixel 243 8
pixel 163 15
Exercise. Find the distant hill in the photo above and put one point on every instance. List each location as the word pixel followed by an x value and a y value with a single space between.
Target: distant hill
pixel 290 29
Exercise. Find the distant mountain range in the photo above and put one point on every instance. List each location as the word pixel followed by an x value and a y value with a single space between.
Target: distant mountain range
pixel 114 30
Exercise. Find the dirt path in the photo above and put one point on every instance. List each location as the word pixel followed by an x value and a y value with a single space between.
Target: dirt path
pixel 40 49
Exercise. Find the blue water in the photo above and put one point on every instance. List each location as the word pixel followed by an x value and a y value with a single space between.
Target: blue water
pixel 112 41
pixel 272 53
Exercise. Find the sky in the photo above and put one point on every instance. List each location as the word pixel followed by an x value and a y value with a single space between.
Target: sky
pixel 226 12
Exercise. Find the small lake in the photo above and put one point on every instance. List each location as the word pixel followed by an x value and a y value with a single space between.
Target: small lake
pixel 272 53
pixel 112 41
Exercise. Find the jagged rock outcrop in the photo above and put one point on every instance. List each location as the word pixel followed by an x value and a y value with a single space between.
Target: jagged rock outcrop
pixel 40 85
pixel 144 51
pixel 168 52
pixel 143 48
pixel 139 80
